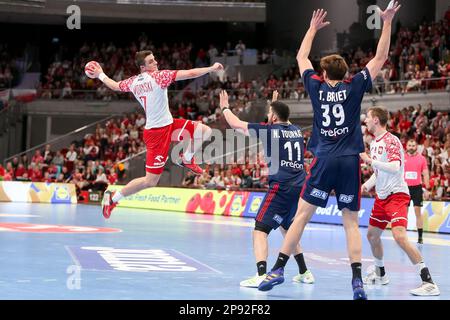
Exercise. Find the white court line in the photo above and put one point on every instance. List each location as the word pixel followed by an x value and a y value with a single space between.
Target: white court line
pixel 18 215
pixel 205 265
pixel 23 281
pixel 50 280
pixel 427 241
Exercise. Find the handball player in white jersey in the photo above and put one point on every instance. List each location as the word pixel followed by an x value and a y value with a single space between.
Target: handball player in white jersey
pixel 391 202
pixel 150 89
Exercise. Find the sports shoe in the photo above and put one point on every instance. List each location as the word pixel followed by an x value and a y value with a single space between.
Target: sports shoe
pixel 274 278
pixel 107 204
pixel 306 277
pixel 426 289
pixel 372 277
pixel 191 165
pixel 253 282
pixel 420 241
pixel 358 290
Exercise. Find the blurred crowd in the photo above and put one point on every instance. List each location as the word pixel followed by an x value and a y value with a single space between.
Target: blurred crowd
pixel 431 131
pixel 90 164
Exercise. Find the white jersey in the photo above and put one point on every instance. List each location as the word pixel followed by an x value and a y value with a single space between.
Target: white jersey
pixel 150 89
pixel 388 148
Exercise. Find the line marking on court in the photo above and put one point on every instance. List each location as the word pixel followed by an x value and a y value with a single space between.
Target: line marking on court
pixel 205 265
pixel 23 281
pixel 74 259
pixel 50 280
pixel 101 278
pixel 427 241
pixel 18 215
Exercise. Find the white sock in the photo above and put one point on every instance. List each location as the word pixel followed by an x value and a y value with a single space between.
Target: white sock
pixel 420 266
pixel 379 262
pixel 188 156
pixel 117 196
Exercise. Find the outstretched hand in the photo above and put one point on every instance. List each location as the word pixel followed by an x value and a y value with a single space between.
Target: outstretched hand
pixel 223 99
pixel 388 14
pixel 317 20
pixel 275 96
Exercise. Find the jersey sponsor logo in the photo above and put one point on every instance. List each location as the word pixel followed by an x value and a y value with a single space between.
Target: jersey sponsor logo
pixel 292 164
pixel 346 198
pixel 278 219
pixel 334 132
pixel 319 194
pixel 364 73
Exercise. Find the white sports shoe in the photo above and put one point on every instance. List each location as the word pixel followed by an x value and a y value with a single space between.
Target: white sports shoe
pixel 253 282
pixel 306 277
pixel 426 289
pixel 373 278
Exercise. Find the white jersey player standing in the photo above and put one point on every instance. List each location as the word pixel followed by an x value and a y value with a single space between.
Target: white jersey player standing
pixel 150 89
pixel 391 202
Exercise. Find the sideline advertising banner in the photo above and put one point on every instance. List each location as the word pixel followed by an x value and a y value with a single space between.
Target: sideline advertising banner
pixel 246 204
pixel 15 191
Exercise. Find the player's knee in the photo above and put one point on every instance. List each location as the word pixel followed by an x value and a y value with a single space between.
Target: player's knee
pixel 372 238
pixel 400 238
pixel 259 226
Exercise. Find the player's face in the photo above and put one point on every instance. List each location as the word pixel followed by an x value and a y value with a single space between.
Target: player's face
pixel 411 147
pixel 370 122
pixel 150 63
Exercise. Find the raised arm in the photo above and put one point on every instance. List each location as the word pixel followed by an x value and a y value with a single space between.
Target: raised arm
pixel 230 117
pixel 374 66
pixel 317 23
pixel 197 72
pixel 97 72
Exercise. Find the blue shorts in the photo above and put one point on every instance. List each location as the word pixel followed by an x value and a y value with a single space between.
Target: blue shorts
pixel 279 206
pixel 341 174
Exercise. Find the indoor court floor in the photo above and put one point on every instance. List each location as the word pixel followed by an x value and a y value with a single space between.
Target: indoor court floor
pixel 59 251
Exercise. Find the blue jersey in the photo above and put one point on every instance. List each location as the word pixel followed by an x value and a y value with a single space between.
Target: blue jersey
pixel 337 111
pixel 284 149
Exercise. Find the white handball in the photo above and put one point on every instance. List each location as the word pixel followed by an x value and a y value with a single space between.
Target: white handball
pixel 89 67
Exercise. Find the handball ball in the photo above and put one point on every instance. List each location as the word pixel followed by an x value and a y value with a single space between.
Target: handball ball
pixel 88 67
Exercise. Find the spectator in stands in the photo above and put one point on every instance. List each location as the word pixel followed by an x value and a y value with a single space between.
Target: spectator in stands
pixel 67 91
pixel 101 182
pixel 247 181
pixel 240 50
pixel 58 160
pixel 47 154
pixel 216 182
pixel 188 181
pixel 37 158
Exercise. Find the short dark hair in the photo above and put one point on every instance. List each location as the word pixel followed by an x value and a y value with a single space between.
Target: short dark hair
pixel 281 110
pixel 139 58
pixel 381 113
pixel 335 66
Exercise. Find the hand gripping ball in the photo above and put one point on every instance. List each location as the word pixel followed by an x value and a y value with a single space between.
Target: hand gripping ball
pixel 89 67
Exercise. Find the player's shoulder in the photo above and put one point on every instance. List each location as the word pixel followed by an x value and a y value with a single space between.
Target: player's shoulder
pixel 313 75
pixel 391 139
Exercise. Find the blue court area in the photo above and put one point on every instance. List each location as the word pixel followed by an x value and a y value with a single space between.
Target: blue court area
pixel 58 252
